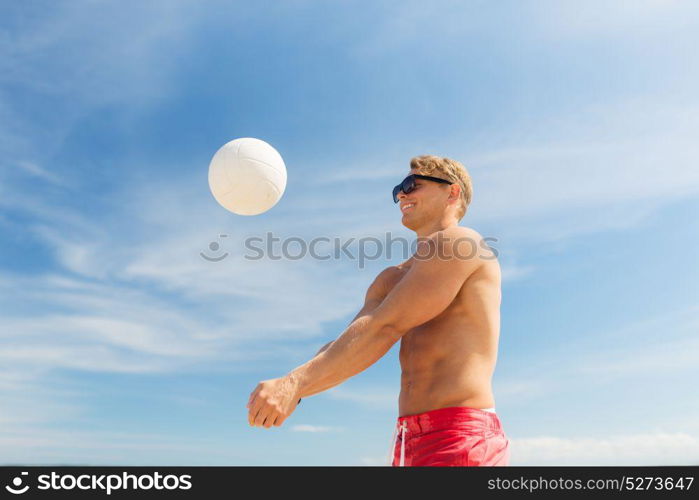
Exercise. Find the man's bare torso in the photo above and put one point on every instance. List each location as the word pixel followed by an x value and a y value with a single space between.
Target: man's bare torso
pixel 449 361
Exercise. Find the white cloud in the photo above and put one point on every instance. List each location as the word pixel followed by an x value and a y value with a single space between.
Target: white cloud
pixel 314 428
pixel 606 156
pixel 131 294
pixel 631 353
pixel 638 349
pixel 512 391
pixel 654 448
pixel 618 19
pixel 28 399
pixel 41 173
pixel 374 398
pixel 38 446
pixel 609 166
pixel 74 58
pixel 513 272
pixel 373 461
pixel 403 26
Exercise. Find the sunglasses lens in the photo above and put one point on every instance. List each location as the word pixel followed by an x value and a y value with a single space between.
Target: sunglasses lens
pixel 406 186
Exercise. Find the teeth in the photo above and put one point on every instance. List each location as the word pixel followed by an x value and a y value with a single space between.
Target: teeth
pixel 405 207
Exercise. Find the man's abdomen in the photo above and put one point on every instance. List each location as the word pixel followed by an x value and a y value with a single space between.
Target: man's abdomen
pixel 459 381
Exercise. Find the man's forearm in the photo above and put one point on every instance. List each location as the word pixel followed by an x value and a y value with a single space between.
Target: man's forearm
pixel 359 346
pixel 322 349
pixel 326 387
pixel 325 347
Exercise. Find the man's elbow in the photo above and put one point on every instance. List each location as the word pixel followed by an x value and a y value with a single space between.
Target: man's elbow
pixel 390 324
pixel 391 330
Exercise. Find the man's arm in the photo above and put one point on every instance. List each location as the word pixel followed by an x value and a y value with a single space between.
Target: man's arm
pixel 372 299
pixel 425 291
pixel 274 400
pixel 325 347
pixel 370 302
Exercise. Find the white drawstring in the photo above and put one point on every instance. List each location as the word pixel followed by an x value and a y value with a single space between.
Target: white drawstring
pixel 389 459
pixel 403 427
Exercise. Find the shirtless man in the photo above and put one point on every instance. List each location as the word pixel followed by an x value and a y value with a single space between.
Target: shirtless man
pixel 443 305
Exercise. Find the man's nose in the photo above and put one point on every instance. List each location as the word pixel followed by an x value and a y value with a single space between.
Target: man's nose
pixel 401 195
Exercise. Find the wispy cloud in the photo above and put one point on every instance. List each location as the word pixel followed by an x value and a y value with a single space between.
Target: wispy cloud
pixel 514 272
pixel 373 461
pixel 315 428
pixel 609 166
pixel 40 173
pixel 641 152
pixel 677 349
pixel 654 448
pixel 514 391
pixel 375 398
pixel 76 57
pixel 622 19
pixel 32 445
pixel 630 351
pixel 138 298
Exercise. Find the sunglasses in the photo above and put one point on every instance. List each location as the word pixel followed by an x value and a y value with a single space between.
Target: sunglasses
pixel 408 184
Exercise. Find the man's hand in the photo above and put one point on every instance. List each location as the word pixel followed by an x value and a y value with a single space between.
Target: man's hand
pixel 272 402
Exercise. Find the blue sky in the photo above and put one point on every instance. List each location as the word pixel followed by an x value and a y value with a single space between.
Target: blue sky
pixel 120 345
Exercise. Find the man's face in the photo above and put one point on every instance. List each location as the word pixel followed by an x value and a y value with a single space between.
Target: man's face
pixel 423 204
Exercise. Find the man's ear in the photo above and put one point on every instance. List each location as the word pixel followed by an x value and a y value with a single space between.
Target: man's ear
pixel 454 192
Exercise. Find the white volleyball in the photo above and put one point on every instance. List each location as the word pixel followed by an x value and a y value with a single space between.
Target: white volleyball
pixel 247 176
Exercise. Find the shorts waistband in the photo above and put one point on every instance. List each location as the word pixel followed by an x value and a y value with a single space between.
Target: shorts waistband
pixel 453 417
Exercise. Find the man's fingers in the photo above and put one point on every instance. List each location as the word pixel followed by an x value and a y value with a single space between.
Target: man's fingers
pixel 269 421
pixel 252 414
pixel 265 406
pixel 260 417
pixel 253 395
pixel 255 410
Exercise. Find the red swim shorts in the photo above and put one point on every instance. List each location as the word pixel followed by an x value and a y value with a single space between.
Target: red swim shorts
pixel 455 436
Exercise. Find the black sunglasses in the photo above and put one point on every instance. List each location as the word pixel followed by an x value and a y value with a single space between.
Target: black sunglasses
pixel 408 184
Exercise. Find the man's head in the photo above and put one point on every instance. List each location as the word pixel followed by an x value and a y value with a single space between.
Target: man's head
pixel 433 201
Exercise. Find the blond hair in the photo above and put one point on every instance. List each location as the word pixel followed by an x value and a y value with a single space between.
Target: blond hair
pixel 448 169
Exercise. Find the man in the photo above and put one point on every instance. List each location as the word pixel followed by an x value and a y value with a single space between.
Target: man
pixel 443 304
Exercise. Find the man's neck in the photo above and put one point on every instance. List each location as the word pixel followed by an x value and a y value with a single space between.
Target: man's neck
pixel 437 225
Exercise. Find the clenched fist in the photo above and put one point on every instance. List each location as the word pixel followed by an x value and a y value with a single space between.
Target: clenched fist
pixel 272 402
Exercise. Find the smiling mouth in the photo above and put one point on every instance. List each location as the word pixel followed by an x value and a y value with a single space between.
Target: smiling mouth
pixel 407 207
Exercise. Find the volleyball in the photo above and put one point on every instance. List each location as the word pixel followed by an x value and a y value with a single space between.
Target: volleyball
pixel 247 176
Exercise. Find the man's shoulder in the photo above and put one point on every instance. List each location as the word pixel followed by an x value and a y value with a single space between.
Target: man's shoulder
pixel 385 281
pixel 457 233
pixel 392 272
pixel 454 241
